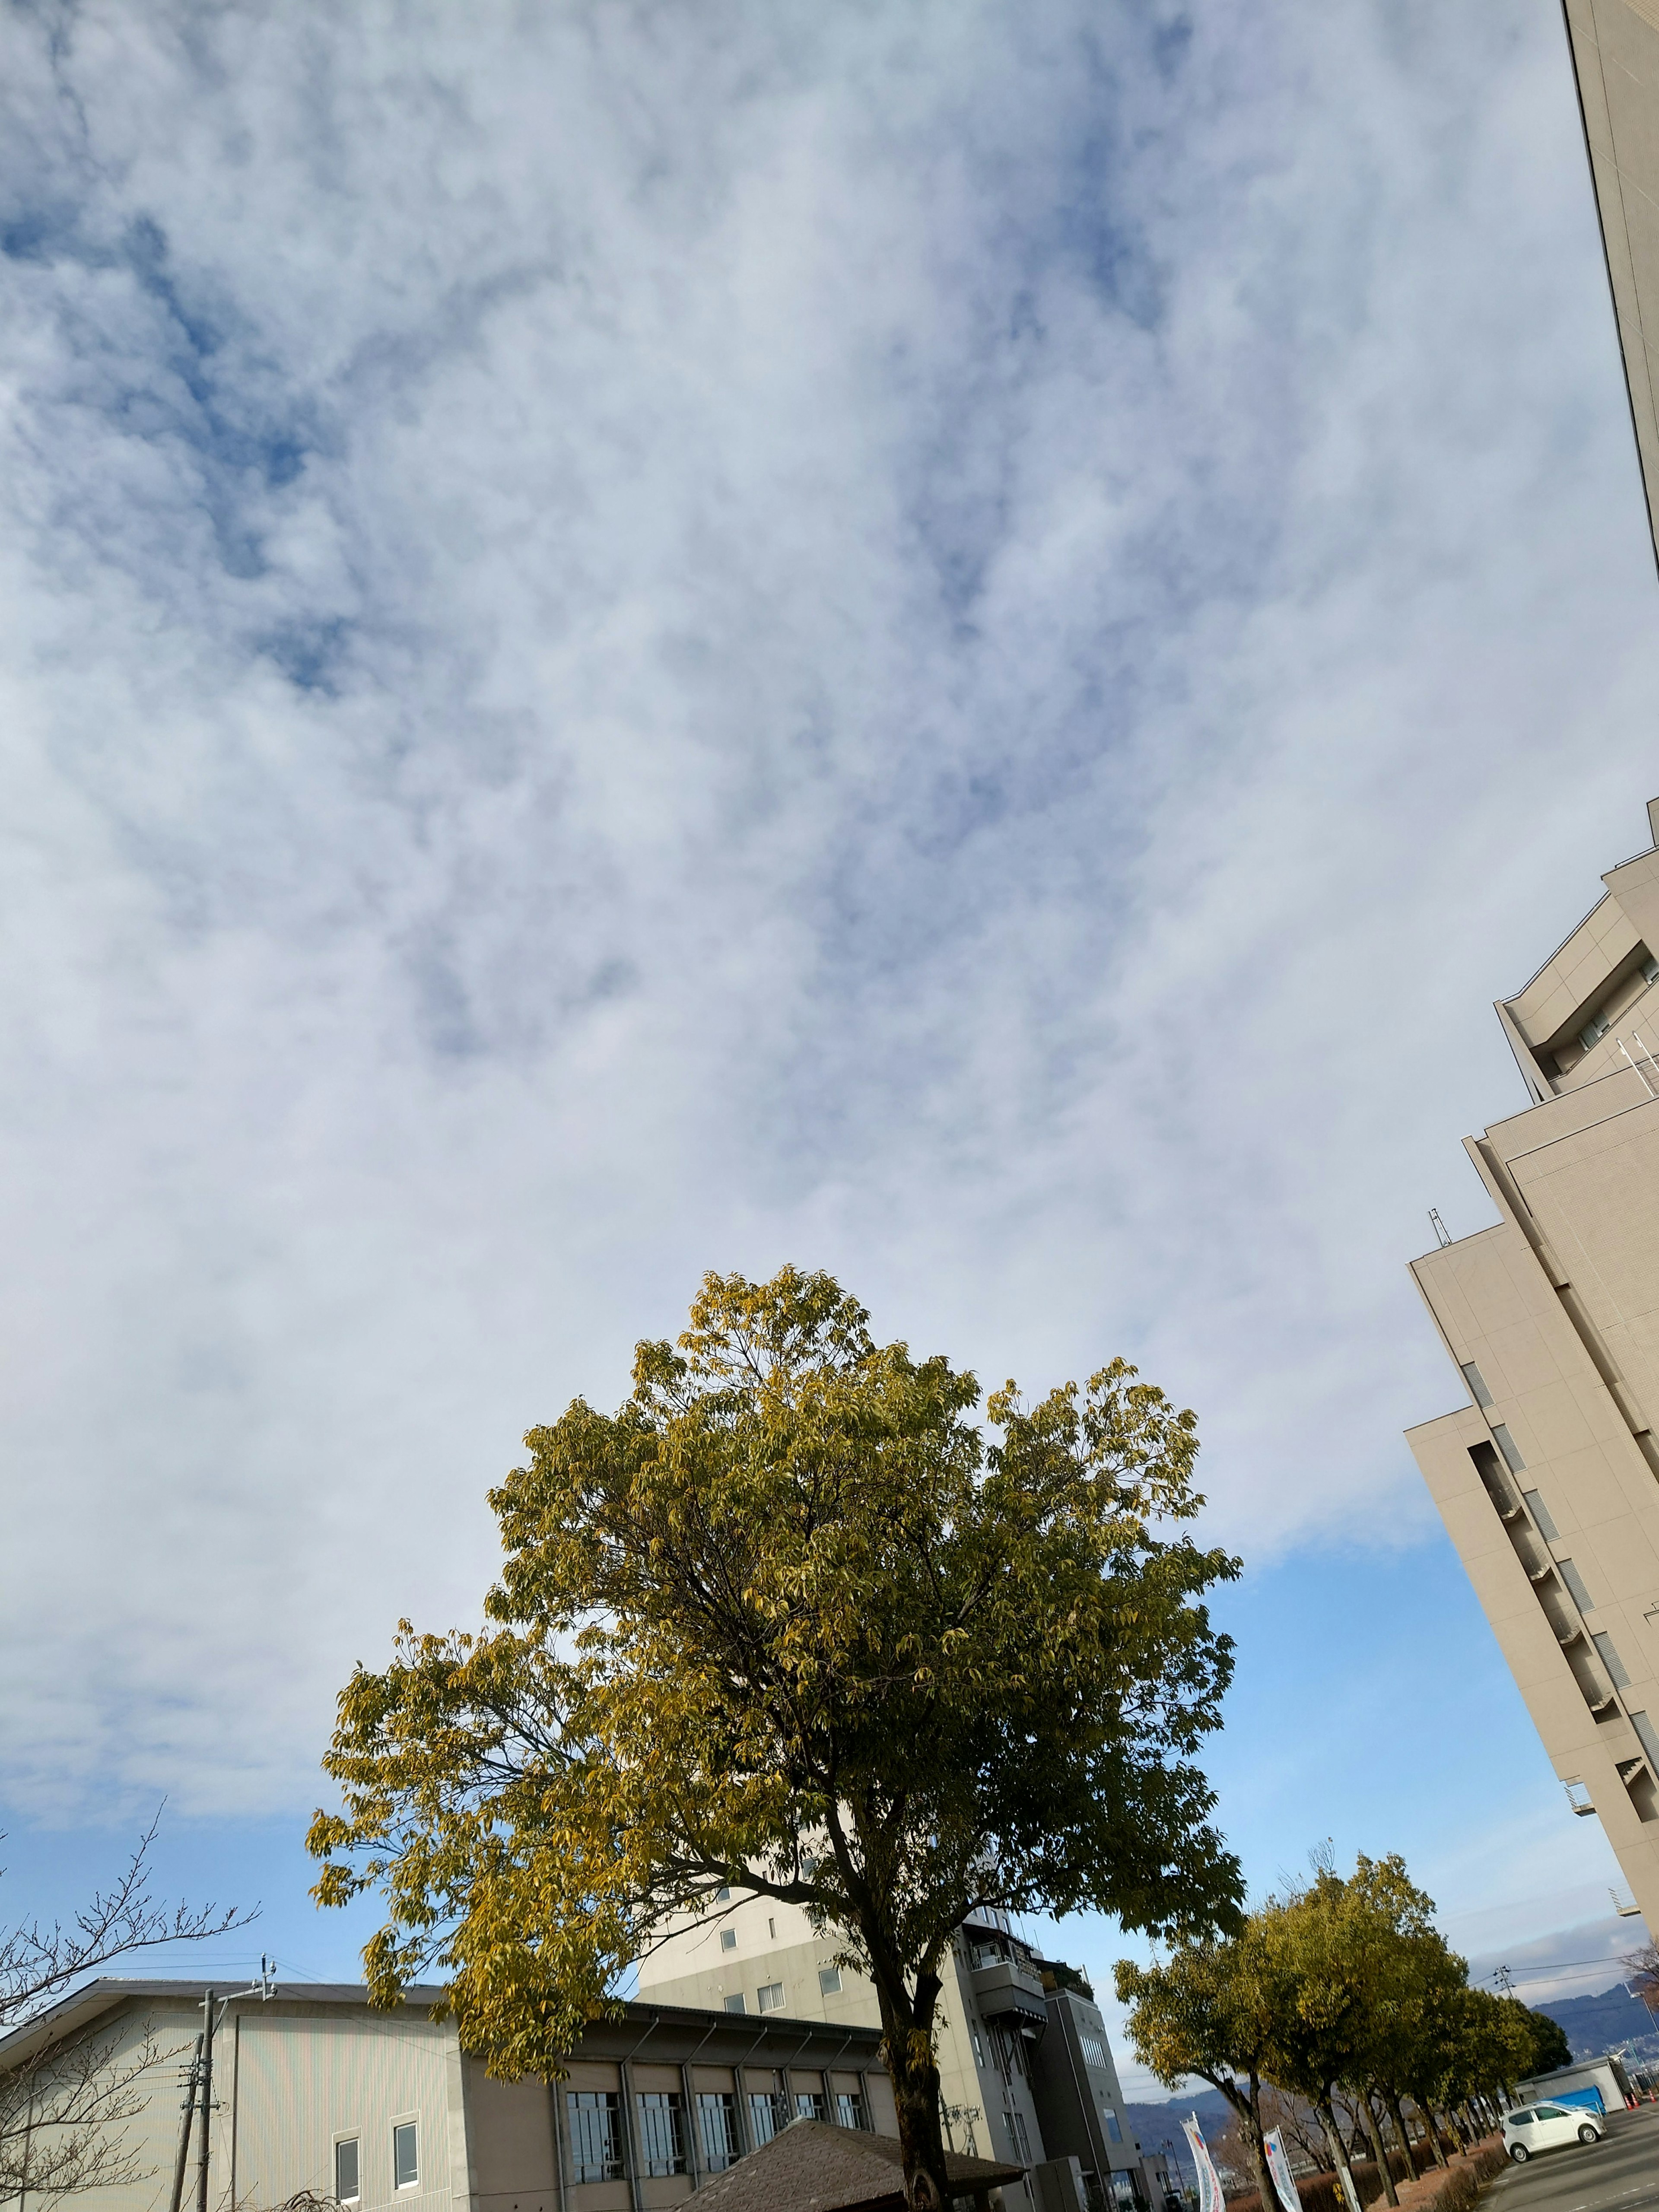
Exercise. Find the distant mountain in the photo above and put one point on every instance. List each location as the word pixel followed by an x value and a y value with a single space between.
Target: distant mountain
pixel 1606 2021
pixel 1153 2126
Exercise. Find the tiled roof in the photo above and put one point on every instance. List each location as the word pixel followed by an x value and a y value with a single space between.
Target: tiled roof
pixel 812 2167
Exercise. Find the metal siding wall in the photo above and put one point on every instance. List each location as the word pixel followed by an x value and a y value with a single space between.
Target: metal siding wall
pixel 306 2081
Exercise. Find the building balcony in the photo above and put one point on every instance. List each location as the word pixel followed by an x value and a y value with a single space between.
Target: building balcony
pixel 1008 1987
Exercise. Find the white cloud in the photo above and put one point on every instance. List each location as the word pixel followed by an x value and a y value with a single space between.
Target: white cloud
pixel 959 643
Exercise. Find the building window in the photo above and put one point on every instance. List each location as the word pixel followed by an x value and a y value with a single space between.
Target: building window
pixel 595 2135
pixel 717 2124
pixel 1575 1583
pixel 828 1981
pixel 1477 1382
pixel 979 2048
pixel 736 2003
pixel 1113 2129
pixel 809 2105
pixel 728 1939
pixel 770 1997
pixel 1094 2051
pixel 849 2111
pixel 1508 1446
pixel 771 1930
pixel 1018 2136
pixel 1610 1660
pixel 1594 1030
pixel 405 2161
pixel 345 2170
pixel 1541 1514
pixel 723 1895
pixel 662 2144
pixel 768 2115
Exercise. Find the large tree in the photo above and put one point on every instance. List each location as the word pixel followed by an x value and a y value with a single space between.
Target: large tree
pixel 789 1621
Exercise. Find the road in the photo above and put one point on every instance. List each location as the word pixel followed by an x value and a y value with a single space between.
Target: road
pixel 1618 2174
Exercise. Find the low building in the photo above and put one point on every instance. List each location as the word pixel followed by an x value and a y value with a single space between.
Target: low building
pixel 1025 2068
pixel 1605 2075
pixel 317 2093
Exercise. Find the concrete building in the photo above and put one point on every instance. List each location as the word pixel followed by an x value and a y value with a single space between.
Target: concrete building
pixel 1547 1479
pixel 317 2093
pixel 1615 57
pixel 1026 2071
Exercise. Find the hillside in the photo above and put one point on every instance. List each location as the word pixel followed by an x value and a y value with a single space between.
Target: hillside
pixel 1612 2019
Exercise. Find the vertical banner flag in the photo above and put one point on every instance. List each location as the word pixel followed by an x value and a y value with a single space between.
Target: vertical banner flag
pixel 1209 2181
pixel 1279 2166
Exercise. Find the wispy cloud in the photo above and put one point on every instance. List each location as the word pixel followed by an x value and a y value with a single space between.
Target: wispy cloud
pixel 956 642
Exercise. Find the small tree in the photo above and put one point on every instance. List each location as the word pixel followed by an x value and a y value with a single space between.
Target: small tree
pixel 786 1621
pixel 1210 2010
pixel 64 2105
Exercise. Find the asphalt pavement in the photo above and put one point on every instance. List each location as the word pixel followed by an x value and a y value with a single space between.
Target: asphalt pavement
pixel 1620 2174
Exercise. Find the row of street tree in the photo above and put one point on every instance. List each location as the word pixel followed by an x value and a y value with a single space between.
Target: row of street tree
pixel 1340 1994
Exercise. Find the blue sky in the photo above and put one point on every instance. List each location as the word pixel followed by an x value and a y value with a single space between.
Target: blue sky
pixel 961 643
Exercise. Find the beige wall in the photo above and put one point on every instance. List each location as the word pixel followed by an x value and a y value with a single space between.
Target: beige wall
pixel 1557 1308
pixel 1615 51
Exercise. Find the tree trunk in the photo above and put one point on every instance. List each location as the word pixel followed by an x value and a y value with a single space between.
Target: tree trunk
pixel 1378 2153
pixel 1398 2119
pixel 1433 2126
pixel 1339 2156
pixel 1247 2109
pixel 907 2050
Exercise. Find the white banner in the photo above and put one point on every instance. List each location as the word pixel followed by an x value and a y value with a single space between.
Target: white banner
pixel 1209 2181
pixel 1279 2166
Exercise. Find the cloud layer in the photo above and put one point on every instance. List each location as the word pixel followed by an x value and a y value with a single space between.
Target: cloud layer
pixel 956 642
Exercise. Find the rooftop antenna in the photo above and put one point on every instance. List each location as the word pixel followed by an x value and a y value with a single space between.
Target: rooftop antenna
pixel 1439 1228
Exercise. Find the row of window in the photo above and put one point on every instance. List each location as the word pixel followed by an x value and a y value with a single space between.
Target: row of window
pixel 406 2162
pixel 768 1997
pixel 595 2123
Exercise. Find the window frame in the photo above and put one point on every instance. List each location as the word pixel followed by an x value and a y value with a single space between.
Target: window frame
pixel 352 2137
pixel 412 2122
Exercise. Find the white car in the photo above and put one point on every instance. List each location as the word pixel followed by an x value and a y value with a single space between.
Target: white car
pixel 1546 2127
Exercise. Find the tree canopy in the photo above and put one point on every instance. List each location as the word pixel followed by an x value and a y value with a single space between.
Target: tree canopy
pixel 1342 1991
pixel 790 1621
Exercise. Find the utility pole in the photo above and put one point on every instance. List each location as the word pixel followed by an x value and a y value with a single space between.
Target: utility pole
pixel 183 2132
pixel 207 2102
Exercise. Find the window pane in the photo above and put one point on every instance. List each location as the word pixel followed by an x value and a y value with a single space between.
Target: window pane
pixel 849 2110
pixel 768 2115
pixel 1477 1384
pixel 1541 1514
pixel 1610 1660
pixel 717 2121
pixel 1648 1739
pixel 809 2105
pixel 770 1999
pixel 405 2167
pixel 1112 2128
pixel 662 2148
pixel 1508 1446
pixel 736 2003
pixel 345 2170
pixel 1575 1583
pixel 728 1939
pixel 828 1980
pixel 595 2117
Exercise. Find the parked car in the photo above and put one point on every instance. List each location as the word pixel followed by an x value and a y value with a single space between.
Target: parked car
pixel 1546 2127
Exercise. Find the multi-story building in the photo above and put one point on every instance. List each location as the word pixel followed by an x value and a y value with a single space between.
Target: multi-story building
pixel 1026 2071
pixel 1615 57
pixel 1548 1479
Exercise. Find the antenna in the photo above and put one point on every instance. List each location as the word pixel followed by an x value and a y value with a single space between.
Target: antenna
pixel 1441 1236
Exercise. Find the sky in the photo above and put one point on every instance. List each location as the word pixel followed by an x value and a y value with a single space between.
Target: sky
pixel 958 643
